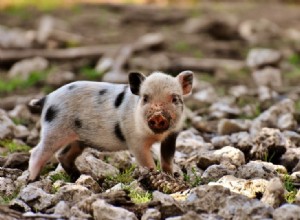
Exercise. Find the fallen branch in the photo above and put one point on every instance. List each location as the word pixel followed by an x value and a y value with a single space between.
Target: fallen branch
pixel 57 54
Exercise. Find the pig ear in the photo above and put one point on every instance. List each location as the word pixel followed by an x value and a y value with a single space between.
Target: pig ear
pixel 186 81
pixel 135 80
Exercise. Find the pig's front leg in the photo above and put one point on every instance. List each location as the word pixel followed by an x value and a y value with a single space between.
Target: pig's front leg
pixel 142 153
pixel 167 151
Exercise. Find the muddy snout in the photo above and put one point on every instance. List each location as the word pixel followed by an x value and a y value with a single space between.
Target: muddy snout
pixel 159 122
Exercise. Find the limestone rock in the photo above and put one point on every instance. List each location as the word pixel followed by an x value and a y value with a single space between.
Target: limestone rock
pixel 18 160
pixel 15 38
pixel 260 57
pixel 151 214
pixel 241 207
pixel 221 141
pixel 274 193
pixel 36 198
pixel 207 95
pixel 103 210
pixel 59 78
pixel 259 169
pixel 6 125
pixel 270 144
pixel 242 141
pixel 88 182
pixel 215 172
pixel 73 193
pixel 290 158
pixel 251 188
pixel 88 163
pixel 287 211
pixel 207 199
pixel 23 68
pixel 230 155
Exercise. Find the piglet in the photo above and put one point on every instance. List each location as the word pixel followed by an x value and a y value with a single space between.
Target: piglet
pixel 112 117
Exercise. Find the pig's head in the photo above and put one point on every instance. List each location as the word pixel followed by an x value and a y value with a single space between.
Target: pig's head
pixel 160 107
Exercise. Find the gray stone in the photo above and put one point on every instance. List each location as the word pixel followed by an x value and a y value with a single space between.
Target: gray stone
pixel 6 125
pixel 268 76
pixel 88 163
pixel 169 206
pixel 223 108
pixel 89 183
pixel 290 159
pixel 259 169
pixel 21 131
pixel 238 91
pixel 73 193
pixel 259 31
pixel 215 172
pixel 7 186
pixel 221 141
pixel 18 204
pixel 151 214
pixel 10 173
pixel 36 198
pixel 207 95
pixel 119 159
pixel 18 160
pixel 270 144
pixel 242 141
pixel 103 210
pixel 191 215
pixel 266 93
pixel 15 38
pixel 207 199
pixel 250 188
pixel 24 68
pixel 259 57
pixel 274 193
pixel 20 111
pixel 270 117
pixel 287 211
pixel 241 207
pixel 229 126
pixel 63 209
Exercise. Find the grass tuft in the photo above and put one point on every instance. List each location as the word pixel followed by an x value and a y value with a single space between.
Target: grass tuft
pixel 12 147
pixel 290 196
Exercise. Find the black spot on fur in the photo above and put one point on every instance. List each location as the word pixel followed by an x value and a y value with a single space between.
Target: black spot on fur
pixel 77 123
pixel 102 91
pixel 135 80
pixel 120 98
pixel 71 87
pixel 51 113
pixel 118 132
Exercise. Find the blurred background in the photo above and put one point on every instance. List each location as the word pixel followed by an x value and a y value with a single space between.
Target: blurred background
pixel 232 46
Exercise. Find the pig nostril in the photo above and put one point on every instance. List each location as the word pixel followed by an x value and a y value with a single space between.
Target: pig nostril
pixel 162 123
pixel 152 122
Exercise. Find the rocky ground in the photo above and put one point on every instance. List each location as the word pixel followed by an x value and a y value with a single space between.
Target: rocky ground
pixel 238 154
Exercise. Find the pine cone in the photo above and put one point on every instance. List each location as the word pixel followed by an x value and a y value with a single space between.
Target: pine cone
pixel 155 180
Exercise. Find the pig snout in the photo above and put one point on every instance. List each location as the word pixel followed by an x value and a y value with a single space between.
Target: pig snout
pixel 158 123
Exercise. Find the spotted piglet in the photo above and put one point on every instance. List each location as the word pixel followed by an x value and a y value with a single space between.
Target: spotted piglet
pixel 112 117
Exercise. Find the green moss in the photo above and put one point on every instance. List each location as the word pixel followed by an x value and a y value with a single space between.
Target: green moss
pixel 60 176
pixel 294 59
pixel 12 147
pixel 124 177
pixel 290 196
pixel 6 199
pixel 90 73
pixel 17 83
pixel 140 197
pixel 182 46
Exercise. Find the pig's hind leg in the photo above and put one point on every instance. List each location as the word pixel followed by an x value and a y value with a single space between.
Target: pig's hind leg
pixel 51 141
pixel 68 156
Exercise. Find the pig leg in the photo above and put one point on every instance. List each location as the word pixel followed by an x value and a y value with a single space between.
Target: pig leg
pixel 68 156
pixel 49 144
pixel 143 155
pixel 167 151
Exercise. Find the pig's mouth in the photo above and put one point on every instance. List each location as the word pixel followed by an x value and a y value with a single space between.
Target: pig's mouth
pixel 159 122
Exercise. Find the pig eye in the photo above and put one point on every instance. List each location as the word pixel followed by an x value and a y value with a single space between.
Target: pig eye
pixel 145 98
pixel 174 99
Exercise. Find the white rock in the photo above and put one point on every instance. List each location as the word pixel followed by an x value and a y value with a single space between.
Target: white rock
pixel 249 188
pixel 274 193
pixel 287 211
pixel 103 210
pixel 151 214
pixel 6 125
pixel 268 76
pixel 266 93
pixel 238 91
pixel 21 131
pixel 89 183
pixel 230 155
pixel 63 209
pixel 23 68
pixel 259 57
pixel 215 172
